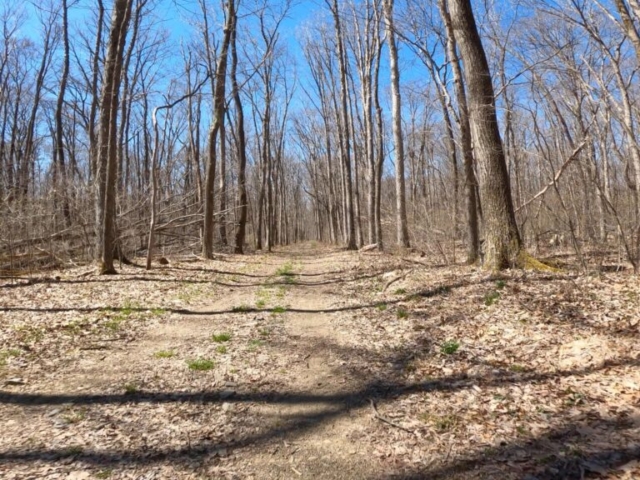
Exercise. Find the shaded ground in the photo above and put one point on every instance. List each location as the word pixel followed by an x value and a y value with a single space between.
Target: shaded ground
pixel 320 364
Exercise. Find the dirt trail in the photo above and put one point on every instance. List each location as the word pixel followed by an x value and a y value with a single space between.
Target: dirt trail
pixel 280 408
pixel 266 367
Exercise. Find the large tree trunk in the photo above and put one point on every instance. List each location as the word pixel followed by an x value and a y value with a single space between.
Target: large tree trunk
pixel 503 247
pixel 107 168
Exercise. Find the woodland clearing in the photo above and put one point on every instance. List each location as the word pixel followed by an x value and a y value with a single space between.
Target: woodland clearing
pixel 318 363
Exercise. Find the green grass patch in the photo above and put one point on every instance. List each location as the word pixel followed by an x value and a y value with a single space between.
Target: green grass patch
pixel 261 303
pixel 221 337
pixel 165 354
pixel 200 364
pixel 450 347
pixel 400 291
pixel 221 349
pixel 29 334
pixel 285 270
pixel 491 298
pixel 131 389
pixel 6 354
pixel 381 307
pixel 241 308
pixel 279 309
pixel 255 344
pixel 73 450
pixel 500 284
pixel 517 368
pixel 402 313
pixel 441 423
pixel 104 474
pixel 114 323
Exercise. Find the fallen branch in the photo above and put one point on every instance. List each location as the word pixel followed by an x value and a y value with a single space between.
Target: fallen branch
pixel 383 419
pixel 394 280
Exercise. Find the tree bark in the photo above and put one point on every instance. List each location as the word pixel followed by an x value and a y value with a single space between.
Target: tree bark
pixel 503 247
pixel 107 170
pixel 396 112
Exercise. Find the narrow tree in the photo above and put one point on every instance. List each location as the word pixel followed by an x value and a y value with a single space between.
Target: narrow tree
pixel 107 168
pixel 218 118
pixel 396 113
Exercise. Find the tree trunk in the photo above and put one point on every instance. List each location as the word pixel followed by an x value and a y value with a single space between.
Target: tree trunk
pixel 473 247
pixel 503 247
pixel 396 112
pixel 218 118
pixel 107 168
pixel 241 203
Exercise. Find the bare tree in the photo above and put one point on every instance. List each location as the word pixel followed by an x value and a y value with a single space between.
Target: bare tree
pixel 503 247
pixel 396 102
pixel 107 167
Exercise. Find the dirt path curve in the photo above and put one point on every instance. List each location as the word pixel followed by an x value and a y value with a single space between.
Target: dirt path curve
pixel 250 383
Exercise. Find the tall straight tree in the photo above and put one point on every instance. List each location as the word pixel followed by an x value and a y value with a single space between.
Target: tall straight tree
pixel 473 250
pixel 396 112
pixel 344 120
pixel 503 246
pixel 218 118
pixel 59 160
pixel 107 168
pixel 241 202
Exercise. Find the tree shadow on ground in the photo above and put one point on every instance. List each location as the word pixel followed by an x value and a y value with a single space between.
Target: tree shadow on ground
pixel 542 457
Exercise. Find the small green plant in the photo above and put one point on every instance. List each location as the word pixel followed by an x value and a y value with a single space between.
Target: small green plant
pixel 261 303
pixel 400 291
pixel 500 284
pixel 30 334
pixel 265 332
pixel 104 474
pixel 221 337
pixel 255 343
pixel 115 323
pixel 441 423
pixel 200 364
pixel 442 289
pixel 165 354
pixel 381 307
pixel 574 398
pixel 75 416
pixel 131 389
pixel 285 270
pixel 241 308
pixel 5 354
pixel 450 347
pixel 158 311
pixel 279 309
pixel 490 298
pixel 517 368
pixel 221 349
pixel 282 291
pixel 401 313
pixel 73 450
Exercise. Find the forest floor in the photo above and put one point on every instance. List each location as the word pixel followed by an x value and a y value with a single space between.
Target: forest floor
pixel 316 363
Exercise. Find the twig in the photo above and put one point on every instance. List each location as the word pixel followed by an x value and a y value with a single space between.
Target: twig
pixel 383 419
pixel 394 280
